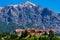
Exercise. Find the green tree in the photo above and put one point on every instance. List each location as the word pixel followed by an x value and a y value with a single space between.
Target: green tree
pixel 7 37
pixel 35 38
pixel 24 34
pixel 13 36
pixel 18 38
pixel 40 38
pixel 0 36
pixel 45 33
pixel 45 38
pixel 5 33
pixel 51 35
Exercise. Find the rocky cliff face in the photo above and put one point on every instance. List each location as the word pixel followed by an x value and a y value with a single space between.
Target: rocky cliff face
pixel 32 14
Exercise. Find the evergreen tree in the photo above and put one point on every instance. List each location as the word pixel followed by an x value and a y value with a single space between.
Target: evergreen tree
pixel 24 34
pixel 45 33
pixel 51 35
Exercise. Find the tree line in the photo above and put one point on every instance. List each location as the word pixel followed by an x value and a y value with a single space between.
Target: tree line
pixel 26 36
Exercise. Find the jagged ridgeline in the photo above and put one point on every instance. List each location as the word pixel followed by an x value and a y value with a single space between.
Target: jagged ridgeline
pixel 28 15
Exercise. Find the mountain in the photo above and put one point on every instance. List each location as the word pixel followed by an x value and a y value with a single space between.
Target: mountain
pixel 27 15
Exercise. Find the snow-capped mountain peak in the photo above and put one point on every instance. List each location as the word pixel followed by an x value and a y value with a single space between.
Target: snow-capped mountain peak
pixel 28 2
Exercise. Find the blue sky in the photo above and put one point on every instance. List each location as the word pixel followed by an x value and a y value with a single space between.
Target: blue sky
pixel 51 4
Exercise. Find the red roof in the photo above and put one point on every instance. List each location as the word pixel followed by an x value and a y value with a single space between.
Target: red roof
pixel 32 30
pixel 18 30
